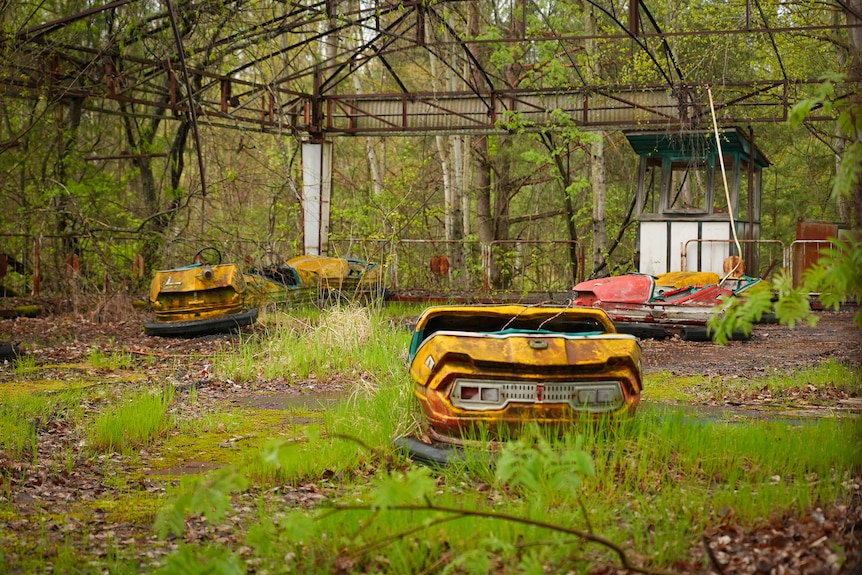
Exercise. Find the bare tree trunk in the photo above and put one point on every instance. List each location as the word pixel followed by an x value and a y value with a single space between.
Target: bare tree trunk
pixel 854 10
pixel 450 166
pixel 68 136
pixel 599 189
pixel 455 209
pixel 484 219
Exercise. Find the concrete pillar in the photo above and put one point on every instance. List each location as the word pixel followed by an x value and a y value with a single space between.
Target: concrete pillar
pixel 316 195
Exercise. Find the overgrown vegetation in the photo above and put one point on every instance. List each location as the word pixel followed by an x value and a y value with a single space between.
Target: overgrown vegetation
pixel 654 483
pixel 536 179
pixel 640 493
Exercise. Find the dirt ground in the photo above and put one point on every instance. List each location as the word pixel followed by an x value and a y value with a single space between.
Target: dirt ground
pixel 772 348
pixel 60 335
pixel 117 325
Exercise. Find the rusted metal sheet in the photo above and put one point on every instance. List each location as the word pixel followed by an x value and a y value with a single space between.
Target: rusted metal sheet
pixel 485 111
pixel 806 250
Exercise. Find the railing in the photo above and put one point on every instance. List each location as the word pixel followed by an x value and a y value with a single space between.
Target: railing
pixel 522 266
pixel 69 265
pixel 440 265
pixel 796 258
pixel 766 265
pixel 63 264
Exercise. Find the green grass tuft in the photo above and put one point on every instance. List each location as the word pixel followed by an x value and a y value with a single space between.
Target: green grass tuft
pixel 136 421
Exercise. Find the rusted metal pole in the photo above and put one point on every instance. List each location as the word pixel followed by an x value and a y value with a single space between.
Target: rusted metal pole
pixel 192 110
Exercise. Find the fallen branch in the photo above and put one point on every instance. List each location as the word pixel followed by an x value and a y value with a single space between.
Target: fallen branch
pixel 458 513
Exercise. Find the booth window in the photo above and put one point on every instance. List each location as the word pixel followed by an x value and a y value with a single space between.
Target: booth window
pixel 652 187
pixel 688 187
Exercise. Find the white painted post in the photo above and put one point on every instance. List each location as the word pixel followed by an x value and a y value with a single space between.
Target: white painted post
pixel 316 195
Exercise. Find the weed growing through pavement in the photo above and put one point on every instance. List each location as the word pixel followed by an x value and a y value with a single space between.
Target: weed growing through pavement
pixel 24 365
pixel 136 420
pixel 113 360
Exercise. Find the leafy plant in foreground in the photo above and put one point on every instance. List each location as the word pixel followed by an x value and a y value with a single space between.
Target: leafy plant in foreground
pixel 530 465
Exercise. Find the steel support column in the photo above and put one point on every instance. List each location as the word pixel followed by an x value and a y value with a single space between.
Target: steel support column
pixel 316 195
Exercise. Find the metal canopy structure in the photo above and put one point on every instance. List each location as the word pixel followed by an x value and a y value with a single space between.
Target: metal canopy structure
pixel 281 66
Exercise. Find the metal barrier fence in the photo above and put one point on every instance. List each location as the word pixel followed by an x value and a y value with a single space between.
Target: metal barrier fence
pixel 771 255
pixel 58 264
pixel 522 266
pixel 796 258
pixel 65 265
pixel 437 265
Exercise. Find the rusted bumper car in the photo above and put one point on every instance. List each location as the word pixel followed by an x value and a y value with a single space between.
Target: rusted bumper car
pixel 676 303
pixel 492 369
pixel 311 278
pixel 281 285
pixel 203 298
pixel 340 279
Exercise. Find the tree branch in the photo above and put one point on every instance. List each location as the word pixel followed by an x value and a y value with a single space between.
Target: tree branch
pixel 624 560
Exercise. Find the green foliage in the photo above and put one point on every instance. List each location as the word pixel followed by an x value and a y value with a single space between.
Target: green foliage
pixel 837 277
pixel 849 123
pixel 416 487
pixel 202 560
pixel 208 497
pixel 532 464
pixel 741 312
pixel 271 536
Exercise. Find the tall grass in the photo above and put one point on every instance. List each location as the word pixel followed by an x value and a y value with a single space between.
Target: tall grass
pixel 659 481
pixel 136 421
pixel 659 478
pixel 346 341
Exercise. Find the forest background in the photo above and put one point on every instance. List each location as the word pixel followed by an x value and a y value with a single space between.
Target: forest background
pixel 99 158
